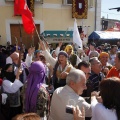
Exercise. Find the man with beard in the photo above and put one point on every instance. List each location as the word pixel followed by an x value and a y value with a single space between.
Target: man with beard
pixel 11 86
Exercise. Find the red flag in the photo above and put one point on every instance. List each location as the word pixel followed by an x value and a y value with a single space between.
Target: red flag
pixel 18 6
pixel 27 17
pixel 28 22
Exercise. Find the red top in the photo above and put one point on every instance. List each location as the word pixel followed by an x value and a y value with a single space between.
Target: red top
pixel 113 72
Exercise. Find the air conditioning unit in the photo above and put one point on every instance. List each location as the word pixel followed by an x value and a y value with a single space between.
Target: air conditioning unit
pixel 91 4
pixel 9 0
pixel 40 1
pixel 67 2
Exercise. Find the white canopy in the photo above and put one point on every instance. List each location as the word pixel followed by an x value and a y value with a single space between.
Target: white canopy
pixel 104 35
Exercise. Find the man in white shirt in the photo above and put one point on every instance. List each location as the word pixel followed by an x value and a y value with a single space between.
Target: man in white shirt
pixel 112 54
pixel 69 95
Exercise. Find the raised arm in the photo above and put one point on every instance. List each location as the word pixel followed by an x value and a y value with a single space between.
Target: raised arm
pixel 12 87
pixel 57 50
pixel 47 55
pixel 29 56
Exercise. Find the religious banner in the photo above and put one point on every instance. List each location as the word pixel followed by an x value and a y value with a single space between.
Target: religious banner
pixel 30 4
pixel 80 9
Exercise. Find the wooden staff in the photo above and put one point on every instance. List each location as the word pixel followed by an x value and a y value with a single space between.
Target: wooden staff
pixel 38 37
pixel 41 38
pixel 19 62
pixel 32 40
pixel 37 33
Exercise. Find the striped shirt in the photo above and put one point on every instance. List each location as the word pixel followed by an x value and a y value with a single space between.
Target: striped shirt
pixel 95 80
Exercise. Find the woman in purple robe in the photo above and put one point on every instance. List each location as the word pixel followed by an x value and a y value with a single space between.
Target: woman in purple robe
pixel 36 98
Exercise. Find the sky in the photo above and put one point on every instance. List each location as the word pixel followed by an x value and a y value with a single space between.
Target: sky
pixel 110 14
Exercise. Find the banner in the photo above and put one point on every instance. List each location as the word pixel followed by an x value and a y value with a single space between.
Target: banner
pixel 76 35
pixel 30 4
pixel 80 9
pixel 28 22
pixel 27 16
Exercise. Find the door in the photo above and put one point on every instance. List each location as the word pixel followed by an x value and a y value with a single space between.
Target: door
pixel 27 39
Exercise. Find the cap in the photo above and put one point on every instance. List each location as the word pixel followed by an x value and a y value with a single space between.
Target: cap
pixel 63 53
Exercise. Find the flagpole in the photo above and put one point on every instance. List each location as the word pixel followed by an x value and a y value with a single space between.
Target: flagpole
pixel 37 33
pixel 40 39
pixel 16 41
pixel 19 62
pixel 32 40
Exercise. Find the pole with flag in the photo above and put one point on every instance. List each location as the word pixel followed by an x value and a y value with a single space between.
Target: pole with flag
pixel 76 35
pixel 21 8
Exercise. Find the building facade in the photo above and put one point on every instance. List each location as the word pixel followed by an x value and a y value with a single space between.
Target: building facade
pixel 108 23
pixel 48 15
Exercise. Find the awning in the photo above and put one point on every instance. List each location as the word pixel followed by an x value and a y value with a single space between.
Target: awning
pixel 113 29
pixel 57 36
pixel 104 35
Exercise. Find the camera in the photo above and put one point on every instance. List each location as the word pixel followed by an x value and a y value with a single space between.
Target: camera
pixel 69 109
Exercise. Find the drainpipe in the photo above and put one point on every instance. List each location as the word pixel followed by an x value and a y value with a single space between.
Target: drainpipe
pixel 95 13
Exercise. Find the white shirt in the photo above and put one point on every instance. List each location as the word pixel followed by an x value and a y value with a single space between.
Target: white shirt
pixel 52 61
pixel 9 60
pixel 10 87
pixel 112 60
pixel 66 96
pixel 28 60
pixel 99 112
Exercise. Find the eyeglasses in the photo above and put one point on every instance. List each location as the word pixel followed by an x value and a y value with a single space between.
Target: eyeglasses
pixel 88 73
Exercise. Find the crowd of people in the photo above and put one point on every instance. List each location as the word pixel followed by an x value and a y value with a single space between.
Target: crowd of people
pixel 64 83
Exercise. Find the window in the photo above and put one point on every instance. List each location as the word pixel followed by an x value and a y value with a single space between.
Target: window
pixel 67 2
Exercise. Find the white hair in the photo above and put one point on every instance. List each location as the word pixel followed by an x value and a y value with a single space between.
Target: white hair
pixel 92 60
pixel 75 76
pixel 94 54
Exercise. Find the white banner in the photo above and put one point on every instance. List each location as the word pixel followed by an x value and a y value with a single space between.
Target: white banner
pixel 76 35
